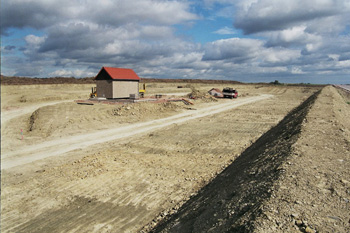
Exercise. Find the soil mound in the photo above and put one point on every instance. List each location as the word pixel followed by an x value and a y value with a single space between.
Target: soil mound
pixel 49 120
pixel 201 95
pixel 232 201
pixel 145 109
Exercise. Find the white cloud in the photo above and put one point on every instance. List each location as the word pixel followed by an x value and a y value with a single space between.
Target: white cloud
pixel 269 15
pixel 311 47
pixel 293 34
pixel 334 57
pixel 236 49
pixel 297 70
pixel 291 37
pixel 61 73
pixel 344 64
pixel 225 31
pixel 43 13
pixel 71 73
pixel 151 11
pixel 33 40
pixel 279 56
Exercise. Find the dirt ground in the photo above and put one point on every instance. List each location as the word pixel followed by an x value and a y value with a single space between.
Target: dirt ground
pixel 293 179
pixel 315 187
pixel 130 183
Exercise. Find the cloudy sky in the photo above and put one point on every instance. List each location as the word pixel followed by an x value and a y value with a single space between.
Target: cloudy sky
pixel 246 40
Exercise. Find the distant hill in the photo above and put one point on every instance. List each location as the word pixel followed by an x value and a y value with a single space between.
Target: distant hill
pixel 207 81
pixel 14 80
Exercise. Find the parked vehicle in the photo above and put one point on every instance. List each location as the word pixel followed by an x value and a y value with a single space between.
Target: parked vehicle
pixel 229 92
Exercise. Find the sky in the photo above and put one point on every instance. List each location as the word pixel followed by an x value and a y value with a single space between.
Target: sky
pixel 292 41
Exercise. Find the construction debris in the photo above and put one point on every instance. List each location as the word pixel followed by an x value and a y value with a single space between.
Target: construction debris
pixel 187 102
pixel 216 92
pixel 202 95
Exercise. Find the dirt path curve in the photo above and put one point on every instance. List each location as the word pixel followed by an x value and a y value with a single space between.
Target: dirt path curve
pixel 10 114
pixel 60 146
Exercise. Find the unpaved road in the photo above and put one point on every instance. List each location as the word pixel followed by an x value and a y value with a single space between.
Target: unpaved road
pixel 60 146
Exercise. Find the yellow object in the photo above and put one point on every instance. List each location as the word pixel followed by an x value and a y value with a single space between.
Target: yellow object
pixel 93 93
pixel 142 92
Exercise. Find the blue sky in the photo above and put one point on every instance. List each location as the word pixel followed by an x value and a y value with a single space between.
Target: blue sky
pixel 291 41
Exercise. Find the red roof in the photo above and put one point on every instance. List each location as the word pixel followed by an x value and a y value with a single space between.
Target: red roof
pixel 120 73
pixel 216 89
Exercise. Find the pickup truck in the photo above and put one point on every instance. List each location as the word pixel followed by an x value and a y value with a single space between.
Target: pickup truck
pixel 229 92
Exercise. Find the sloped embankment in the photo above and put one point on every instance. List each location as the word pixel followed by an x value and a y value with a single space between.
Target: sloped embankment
pixel 234 198
pixel 313 194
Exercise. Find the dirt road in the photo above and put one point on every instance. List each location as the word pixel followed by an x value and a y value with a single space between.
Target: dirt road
pixel 60 146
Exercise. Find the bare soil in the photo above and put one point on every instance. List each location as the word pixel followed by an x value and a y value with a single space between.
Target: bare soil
pixel 293 179
pixel 131 183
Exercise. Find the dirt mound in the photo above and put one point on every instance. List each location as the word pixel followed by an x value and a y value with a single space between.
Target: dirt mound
pixel 145 109
pixel 50 120
pixel 235 197
pixel 200 95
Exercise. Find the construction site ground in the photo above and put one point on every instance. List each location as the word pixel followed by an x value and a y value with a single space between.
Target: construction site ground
pixel 171 167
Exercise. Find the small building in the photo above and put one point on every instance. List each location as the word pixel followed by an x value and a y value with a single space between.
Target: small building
pixel 112 83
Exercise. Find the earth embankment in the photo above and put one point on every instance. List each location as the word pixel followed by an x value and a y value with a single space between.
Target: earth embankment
pixel 234 198
pixel 295 178
pixel 313 194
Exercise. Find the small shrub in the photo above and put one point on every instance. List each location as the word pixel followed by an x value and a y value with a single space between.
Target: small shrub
pixel 23 99
pixel 276 82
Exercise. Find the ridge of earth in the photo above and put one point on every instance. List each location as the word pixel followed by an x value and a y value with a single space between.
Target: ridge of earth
pixel 287 181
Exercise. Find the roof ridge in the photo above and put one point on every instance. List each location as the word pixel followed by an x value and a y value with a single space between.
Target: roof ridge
pixel 109 67
pixel 120 73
